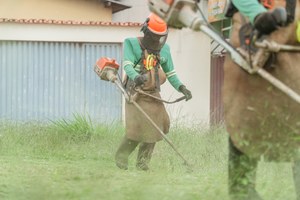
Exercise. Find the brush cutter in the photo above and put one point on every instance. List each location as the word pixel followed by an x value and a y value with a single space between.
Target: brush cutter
pixel 186 13
pixel 107 69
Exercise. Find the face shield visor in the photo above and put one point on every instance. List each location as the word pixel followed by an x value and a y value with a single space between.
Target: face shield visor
pixel 154 41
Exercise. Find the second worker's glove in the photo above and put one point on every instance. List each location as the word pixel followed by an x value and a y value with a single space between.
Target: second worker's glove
pixel 267 22
pixel 140 80
pixel 185 92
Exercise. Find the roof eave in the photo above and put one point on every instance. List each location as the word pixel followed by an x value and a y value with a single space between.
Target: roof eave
pixel 116 5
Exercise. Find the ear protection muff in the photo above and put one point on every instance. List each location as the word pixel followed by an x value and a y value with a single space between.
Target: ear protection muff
pixel 145 25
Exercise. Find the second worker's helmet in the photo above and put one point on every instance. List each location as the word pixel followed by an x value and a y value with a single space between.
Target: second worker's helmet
pixel 155 33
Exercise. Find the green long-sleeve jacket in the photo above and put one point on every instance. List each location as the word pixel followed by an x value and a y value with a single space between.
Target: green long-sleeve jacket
pixel 249 8
pixel 132 54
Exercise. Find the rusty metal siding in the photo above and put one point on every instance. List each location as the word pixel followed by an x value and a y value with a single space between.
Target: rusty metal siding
pixel 44 81
pixel 217 77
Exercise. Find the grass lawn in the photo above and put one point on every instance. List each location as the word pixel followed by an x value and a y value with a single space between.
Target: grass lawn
pixel 75 160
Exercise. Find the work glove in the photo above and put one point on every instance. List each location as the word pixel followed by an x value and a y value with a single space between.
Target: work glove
pixel 140 80
pixel 185 92
pixel 267 22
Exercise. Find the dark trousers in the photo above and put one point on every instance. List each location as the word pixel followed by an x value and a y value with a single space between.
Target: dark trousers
pixel 127 146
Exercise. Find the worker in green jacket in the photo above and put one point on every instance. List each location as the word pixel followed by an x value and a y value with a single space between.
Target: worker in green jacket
pixel 148 63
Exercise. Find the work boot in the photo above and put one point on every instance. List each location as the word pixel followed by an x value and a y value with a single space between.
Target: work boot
pixel 241 175
pixel 296 175
pixel 144 156
pixel 126 147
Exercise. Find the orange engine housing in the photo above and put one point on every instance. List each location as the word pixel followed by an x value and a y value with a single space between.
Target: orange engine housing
pixel 107 62
pixel 107 69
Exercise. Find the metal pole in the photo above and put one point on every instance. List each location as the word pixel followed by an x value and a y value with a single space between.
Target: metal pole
pixel 235 56
pixel 238 59
pixel 278 84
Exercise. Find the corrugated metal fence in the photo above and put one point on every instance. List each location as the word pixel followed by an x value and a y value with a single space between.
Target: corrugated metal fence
pixel 52 80
pixel 217 77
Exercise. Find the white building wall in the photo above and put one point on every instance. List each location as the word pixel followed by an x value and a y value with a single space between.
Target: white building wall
pixel 191 57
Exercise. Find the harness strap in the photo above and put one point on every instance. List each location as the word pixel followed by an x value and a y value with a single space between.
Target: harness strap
pixel 144 69
pixel 139 91
pixel 126 77
pixel 157 83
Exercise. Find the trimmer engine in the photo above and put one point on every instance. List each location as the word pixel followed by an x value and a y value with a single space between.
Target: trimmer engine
pixel 107 69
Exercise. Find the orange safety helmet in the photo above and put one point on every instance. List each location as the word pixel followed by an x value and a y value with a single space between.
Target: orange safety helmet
pixel 155 33
pixel 156 25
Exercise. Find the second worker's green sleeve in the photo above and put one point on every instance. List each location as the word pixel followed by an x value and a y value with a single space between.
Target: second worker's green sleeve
pixel 249 8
